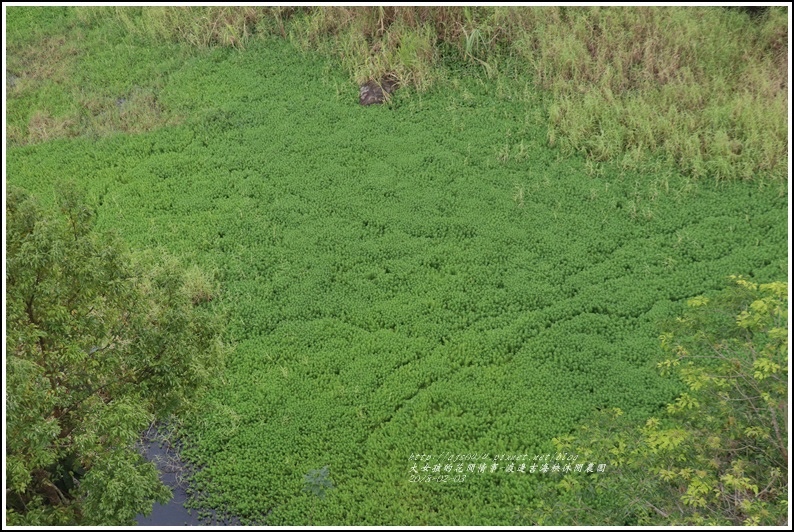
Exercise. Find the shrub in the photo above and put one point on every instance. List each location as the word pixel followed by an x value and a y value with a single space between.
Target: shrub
pixel 718 454
pixel 99 343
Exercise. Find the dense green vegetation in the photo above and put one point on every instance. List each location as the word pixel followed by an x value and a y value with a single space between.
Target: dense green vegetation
pixel 718 455
pixel 98 344
pixel 427 276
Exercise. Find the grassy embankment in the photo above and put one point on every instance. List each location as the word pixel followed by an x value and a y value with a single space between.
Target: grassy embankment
pixel 704 87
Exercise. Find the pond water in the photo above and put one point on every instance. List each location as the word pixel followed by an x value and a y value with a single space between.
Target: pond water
pixel 173 473
pixel 174 512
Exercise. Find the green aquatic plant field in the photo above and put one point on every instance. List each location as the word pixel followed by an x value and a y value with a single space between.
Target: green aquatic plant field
pixel 423 277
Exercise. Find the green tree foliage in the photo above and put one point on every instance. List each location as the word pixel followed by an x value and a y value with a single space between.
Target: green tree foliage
pixel 99 342
pixel 718 455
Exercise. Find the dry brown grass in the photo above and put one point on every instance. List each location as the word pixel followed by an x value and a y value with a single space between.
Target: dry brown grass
pixel 195 25
pixel 137 112
pixel 705 86
pixel 43 127
pixel 34 68
pixel 46 102
pixel 52 58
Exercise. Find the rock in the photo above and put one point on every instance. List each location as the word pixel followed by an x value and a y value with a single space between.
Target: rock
pixel 375 92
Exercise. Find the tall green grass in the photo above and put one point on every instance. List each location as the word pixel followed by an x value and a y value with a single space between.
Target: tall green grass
pixel 705 87
pixel 197 26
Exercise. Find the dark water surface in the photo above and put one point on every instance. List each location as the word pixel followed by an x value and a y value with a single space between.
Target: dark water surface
pixel 173 473
pixel 174 513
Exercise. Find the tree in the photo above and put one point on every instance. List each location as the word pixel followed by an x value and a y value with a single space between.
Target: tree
pixel 718 454
pixel 99 342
